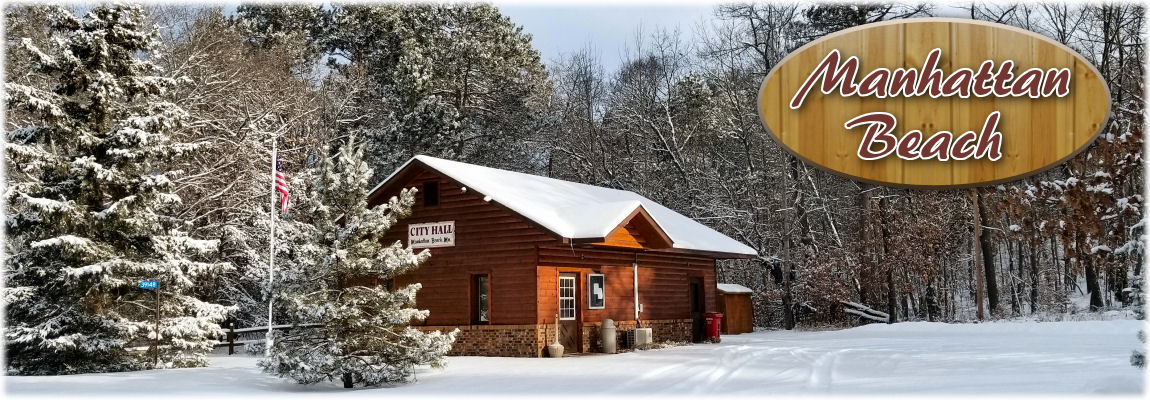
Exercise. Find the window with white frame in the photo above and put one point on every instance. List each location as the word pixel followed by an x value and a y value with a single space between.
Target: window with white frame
pixel 567 297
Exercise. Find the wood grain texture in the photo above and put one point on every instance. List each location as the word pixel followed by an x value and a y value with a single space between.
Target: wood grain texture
pixel 664 281
pixel 626 236
pixel 523 263
pixel 488 240
pixel 737 315
pixel 1037 133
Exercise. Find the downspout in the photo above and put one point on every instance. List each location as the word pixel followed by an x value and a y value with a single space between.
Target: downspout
pixel 635 277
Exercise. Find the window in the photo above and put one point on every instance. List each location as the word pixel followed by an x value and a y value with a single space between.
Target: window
pixel 596 292
pixel 480 300
pixel 430 193
pixel 566 297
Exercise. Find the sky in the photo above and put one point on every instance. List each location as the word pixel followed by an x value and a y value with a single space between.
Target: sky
pixel 559 30
pixel 562 29
pixel 609 28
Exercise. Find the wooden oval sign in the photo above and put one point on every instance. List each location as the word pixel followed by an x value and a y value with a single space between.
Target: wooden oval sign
pixel 934 103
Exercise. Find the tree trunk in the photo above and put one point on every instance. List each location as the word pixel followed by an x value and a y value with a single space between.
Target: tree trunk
pixel 931 304
pixel 865 253
pixel 1057 266
pixel 788 308
pixel 988 256
pixel 1034 281
pixel 891 294
pixel 988 270
pixel 800 209
pixel 1011 249
pixel 976 252
pixel 1092 284
pixel 794 251
pixel 1087 262
pixel 891 297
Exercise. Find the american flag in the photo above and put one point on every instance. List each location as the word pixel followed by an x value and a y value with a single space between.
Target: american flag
pixel 281 186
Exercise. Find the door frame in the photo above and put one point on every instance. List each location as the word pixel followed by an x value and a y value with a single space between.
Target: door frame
pixel 576 274
pixel 698 295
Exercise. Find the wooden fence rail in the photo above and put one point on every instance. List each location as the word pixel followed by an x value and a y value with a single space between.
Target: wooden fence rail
pixel 251 335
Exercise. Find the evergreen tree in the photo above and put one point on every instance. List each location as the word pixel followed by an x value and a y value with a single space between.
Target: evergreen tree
pixel 1137 293
pixel 459 81
pixel 297 31
pixel 90 205
pixel 361 331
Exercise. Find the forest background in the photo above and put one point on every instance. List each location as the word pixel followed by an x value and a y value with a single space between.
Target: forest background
pixel 675 121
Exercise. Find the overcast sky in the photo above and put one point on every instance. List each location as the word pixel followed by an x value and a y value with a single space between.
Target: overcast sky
pixel 563 29
pixel 609 29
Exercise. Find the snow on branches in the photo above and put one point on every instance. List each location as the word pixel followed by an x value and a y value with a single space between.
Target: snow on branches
pixel 341 279
pixel 91 208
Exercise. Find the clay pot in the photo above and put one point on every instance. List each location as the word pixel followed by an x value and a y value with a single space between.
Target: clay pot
pixel 555 350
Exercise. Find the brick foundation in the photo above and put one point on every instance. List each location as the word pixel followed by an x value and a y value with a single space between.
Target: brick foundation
pixel 671 330
pixel 532 340
pixel 494 340
pixel 667 330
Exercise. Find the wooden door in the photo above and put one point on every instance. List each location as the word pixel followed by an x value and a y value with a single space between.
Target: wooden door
pixel 696 298
pixel 569 312
pixel 740 314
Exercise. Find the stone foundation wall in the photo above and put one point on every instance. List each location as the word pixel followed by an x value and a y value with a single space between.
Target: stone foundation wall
pixel 667 330
pixel 671 330
pixel 494 340
pixel 532 340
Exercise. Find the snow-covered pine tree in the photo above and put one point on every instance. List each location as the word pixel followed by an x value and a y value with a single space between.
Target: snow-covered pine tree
pixel 89 204
pixel 458 81
pixel 363 333
pixel 1137 292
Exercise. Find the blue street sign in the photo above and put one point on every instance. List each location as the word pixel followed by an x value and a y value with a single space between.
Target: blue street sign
pixel 149 285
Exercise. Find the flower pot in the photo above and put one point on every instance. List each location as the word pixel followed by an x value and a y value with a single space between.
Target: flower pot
pixel 555 350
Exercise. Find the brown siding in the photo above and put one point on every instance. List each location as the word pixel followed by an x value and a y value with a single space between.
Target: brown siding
pixel 489 240
pixel 736 309
pixel 664 281
pixel 523 262
pixel 626 236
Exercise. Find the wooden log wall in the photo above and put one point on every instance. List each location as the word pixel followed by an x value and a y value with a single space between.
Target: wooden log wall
pixel 523 262
pixel 664 282
pixel 488 240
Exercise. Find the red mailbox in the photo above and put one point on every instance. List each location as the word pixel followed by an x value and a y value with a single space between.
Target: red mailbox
pixel 714 325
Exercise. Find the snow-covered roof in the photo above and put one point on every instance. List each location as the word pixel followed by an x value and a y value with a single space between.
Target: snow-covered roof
pixel 734 288
pixel 575 210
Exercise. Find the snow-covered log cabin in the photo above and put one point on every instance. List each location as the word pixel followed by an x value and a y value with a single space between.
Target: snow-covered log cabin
pixel 513 252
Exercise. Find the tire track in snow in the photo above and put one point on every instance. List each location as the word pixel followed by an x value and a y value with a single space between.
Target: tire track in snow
pixel 698 375
pixel 823 370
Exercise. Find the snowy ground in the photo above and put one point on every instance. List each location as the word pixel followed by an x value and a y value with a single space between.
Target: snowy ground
pixel 910 358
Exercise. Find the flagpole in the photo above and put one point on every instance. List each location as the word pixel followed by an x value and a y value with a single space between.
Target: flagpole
pixel 271 252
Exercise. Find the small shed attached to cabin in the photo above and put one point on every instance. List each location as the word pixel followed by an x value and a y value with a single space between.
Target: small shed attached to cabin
pixel 512 253
pixel 735 304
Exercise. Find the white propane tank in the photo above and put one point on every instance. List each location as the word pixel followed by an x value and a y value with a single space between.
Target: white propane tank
pixel 608 336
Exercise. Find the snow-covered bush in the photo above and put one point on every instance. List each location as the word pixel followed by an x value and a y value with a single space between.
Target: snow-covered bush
pixel 364 335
